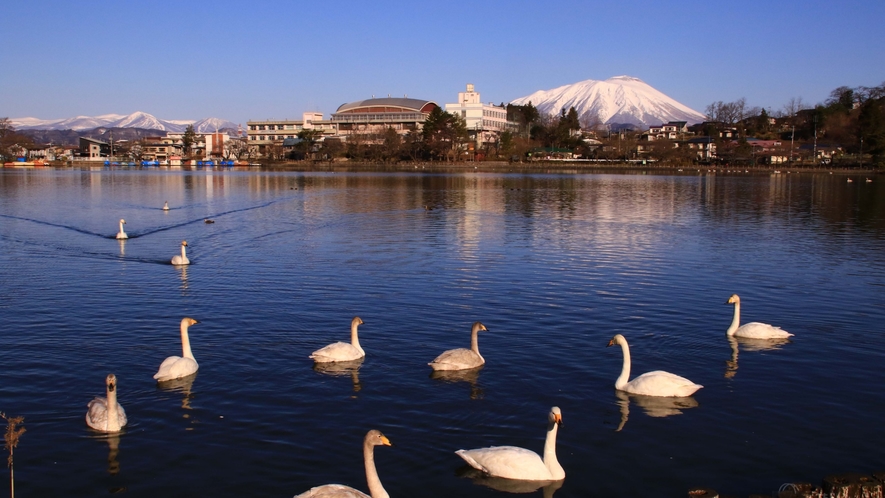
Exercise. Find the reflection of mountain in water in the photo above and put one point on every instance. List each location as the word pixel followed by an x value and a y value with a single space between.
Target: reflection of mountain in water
pixel 653 406
pixel 342 369
pixel 514 486
pixel 470 376
pixel 737 343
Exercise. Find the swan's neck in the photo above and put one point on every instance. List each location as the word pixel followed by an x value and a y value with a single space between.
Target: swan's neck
pixel 550 461
pixel 736 321
pixel 625 369
pixel 183 253
pixel 376 490
pixel 112 422
pixel 474 341
pixel 186 342
pixel 121 227
pixel 354 337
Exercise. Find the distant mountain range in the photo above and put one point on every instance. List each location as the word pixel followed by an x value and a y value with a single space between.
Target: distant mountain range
pixel 138 119
pixel 615 101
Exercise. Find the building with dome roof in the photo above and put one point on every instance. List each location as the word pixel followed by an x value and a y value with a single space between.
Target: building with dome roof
pixel 374 116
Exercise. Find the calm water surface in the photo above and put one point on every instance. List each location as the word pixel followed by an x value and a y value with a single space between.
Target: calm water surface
pixel 554 266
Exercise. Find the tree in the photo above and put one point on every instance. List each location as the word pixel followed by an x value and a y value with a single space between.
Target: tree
pixel 236 148
pixel 12 143
pixel 188 139
pixel 444 134
pixel 871 127
pixel 392 145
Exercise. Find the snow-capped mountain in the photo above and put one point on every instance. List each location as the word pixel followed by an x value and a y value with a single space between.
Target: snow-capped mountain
pixel 137 119
pixel 621 99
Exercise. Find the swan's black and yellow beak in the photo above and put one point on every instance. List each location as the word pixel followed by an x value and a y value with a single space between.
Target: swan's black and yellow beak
pixel 385 441
pixel 558 419
pixel 611 342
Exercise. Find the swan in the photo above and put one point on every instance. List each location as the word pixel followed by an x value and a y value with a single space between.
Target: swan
pixel 752 330
pixel 462 359
pixel 511 462
pixel 165 205
pixel 376 490
pixel 105 414
pixel 122 234
pixel 850 180
pixel 176 367
pixel 181 260
pixel 656 383
pixel 342 351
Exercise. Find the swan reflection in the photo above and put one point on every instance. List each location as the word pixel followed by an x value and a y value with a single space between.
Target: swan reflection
pixel 343 369
pixel 515 486
pixel 653 406
pixel 471 377
pixel 184 385
pixel 746 344
pixel 113 451
pixel 122 243
pixel 182 274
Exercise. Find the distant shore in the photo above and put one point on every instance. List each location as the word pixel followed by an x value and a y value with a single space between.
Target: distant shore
pixel 496 167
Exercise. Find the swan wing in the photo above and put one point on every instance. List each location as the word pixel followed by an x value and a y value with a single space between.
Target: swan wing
pixel 457 359
pixel 339 351
pixel 97 414
pixel 660 383
pixel 510 462
pixel 333 491
pixel 175 367
pixel 756 330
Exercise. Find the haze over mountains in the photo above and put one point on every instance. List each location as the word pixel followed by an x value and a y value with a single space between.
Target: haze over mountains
pixel 617 100
pixel 138 119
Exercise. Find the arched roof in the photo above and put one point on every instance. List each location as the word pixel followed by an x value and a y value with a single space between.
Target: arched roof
pixel 388 104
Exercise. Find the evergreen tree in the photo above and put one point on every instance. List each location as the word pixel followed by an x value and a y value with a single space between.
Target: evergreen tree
pixel 188 139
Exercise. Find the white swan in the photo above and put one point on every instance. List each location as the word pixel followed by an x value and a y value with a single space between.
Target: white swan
pixel 462 359
pixel 656 383
pixel 122 234
pixel 105 414
pixel 376 490
pixel 342 351
pixel 511 462
pixel 176 367
pixel 752 330
pixel 165 205
pixel 181 260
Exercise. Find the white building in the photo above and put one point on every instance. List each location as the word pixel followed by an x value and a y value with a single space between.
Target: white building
pixel 485 122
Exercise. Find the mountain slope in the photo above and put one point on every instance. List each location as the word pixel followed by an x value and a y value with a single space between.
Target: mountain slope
pixel 141 120
pixel 621 99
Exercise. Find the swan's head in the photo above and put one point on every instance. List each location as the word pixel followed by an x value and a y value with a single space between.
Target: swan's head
pixel 617 339
pixel 734 299
pixel 477 326
pixel 555 416
pixel 375 438
pixel 187 322
pixel 111 382
pixel 184 243
pixel 122 221
pixel 356 321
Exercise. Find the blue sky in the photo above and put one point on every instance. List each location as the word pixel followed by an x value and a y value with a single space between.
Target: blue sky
pixel 276 59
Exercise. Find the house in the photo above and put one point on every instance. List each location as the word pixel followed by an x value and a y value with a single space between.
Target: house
pixel 94 150
pixel 673 130
pixel 705 147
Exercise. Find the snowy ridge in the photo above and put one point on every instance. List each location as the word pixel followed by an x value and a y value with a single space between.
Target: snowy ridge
pixel 621 99
pixel 137 119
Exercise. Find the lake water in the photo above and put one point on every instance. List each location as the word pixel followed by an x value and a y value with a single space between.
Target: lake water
pixel 553 264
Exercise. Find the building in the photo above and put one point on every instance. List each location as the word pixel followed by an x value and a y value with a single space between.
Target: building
pixel 94 150
pixel 673 130
pixel 272 132
pixel 375 116
pixel 485 122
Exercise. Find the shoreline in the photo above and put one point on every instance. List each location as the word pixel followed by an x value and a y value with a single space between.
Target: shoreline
pixel 562 167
